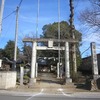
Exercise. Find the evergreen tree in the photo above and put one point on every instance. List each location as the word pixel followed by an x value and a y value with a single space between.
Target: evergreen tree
pixel 9 50
pixel 51 31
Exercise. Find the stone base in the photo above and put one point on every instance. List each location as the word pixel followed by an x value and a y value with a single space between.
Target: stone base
pixel 58 77
pixel 32 81
pixel 95 83
pixel 68 80
pixel 95 77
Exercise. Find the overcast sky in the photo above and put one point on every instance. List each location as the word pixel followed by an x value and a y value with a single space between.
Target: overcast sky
pixel 48 14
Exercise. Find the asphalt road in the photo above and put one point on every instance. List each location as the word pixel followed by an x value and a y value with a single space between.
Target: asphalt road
pixel 47 97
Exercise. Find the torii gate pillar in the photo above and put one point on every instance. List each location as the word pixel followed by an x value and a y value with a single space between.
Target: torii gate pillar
pixel 33 64
pixel 67 67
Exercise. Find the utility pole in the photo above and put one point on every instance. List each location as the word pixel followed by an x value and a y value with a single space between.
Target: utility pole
pixel 59 60
pixel 16 38
pixel 72 34
pixel 1 13
pixel 37 20
pixel 59 30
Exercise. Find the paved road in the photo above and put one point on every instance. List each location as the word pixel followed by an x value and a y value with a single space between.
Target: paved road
pixel 45 97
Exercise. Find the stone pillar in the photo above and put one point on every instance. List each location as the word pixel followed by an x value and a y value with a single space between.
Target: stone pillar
pixel 36 69
pixel 33 64
pixel 94 84
pixel 58 70
pixel 21 75
pixel 94 59
pixel 67 67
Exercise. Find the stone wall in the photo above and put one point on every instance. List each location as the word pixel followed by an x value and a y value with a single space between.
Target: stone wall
pixel 7 79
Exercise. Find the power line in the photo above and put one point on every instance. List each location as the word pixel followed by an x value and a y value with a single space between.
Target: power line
pixel 77 3
pixel 20 3
pixel 7 29
pixel 9 14
pixel 85 50
pixel 13 11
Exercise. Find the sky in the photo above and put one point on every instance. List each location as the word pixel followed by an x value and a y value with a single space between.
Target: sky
pixel 48 13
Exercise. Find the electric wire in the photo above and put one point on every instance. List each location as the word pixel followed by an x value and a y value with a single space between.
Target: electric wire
pixel 9 15
pixel 85 50
pixel 12 11
pixel 7 30
pixel 75 7
pixel 20 3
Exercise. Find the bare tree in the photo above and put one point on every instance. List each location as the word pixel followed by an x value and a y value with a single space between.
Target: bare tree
pixel 91 16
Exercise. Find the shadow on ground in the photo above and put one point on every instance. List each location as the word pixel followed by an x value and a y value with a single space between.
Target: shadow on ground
pixel 82 86
pixel 50 81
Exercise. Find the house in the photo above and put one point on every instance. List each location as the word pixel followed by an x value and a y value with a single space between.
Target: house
pixel 6 64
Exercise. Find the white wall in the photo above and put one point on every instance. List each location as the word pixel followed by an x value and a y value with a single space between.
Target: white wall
pixel 7 79
pixel 0 62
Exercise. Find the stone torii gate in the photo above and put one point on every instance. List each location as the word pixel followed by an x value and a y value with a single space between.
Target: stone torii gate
pixel 50 46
